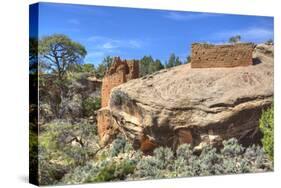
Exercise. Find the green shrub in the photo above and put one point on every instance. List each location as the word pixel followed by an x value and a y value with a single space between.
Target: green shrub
pixel 50 172
pixel 88 68
pixel 186 163
pixel 157 166
pixel 109 170
pixel 119 161
pixel 118 98
pixel 231 159
pixel 115 162
pixel 147 168
pixel 63 146
pixel 114 171
pixel 184 151
pixel 210 162
pixel 72 143
pixel 266 127
pixel 231 148
pixel 117 146
pixel 80 174
pixel 165 157
pixel 90 105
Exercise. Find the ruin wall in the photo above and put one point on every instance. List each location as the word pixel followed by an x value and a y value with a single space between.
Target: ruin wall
pixel 119 73
pixel 211 56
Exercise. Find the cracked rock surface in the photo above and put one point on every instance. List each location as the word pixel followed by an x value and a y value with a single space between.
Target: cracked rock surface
pixel 184 104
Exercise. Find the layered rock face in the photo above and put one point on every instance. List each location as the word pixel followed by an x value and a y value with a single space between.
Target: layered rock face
pixel 119 73
pixel 232 55
pixel 194 105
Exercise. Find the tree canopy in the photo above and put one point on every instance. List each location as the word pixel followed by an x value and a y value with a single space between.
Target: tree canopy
pixel 269 41
pixel 148 65
pixel 173 61
pixel 235 39
pixel 58 53
pixel 104 66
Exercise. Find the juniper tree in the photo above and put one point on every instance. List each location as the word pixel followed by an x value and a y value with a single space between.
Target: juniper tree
pixel 234 39
pixel 58 53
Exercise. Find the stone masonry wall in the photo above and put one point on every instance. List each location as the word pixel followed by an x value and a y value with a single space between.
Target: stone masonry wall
pixel 232 55
pixel 119 73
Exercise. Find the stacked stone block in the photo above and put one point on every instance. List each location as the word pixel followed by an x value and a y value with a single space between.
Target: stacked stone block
pixel 118 73
pixel 211 56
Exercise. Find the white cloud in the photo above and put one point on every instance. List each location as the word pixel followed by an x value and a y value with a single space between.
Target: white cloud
pixel 111 43
pixel 95 57
pixel 258 33
pixel 103 46
pixel 180 16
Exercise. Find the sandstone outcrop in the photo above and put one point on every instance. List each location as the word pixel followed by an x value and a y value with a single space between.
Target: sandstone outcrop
pixel 191 105
pixel 118 73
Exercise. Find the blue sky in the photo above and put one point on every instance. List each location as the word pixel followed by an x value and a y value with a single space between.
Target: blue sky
pixel 132 33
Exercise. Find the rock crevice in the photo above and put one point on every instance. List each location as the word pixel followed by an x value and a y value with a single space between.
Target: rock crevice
pixel 190 105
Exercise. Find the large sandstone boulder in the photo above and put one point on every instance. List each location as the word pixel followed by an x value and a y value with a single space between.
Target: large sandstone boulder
pixel 194 105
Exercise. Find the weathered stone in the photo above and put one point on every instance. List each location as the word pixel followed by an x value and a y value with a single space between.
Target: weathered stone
pixel 214 140
pixel 147 145
pixel 107 128
pixel 181 104
pixel 185 136
pixel 232 55
pixel 119 73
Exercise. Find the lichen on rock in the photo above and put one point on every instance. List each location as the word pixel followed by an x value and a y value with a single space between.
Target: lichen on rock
pixel 182 104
